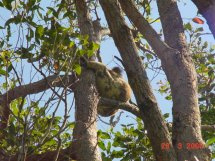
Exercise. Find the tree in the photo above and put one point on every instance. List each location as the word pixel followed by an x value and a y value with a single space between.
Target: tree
pixel 54 39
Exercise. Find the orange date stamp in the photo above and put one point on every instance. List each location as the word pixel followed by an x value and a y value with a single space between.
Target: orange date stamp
pixel 188 146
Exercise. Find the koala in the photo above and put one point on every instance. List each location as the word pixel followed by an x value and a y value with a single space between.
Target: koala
pixel 111 85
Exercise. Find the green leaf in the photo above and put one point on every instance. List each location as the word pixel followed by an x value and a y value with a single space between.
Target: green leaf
pixel 101 145
pixel 8 33
pixel 11 129
pixel 199 29
pixel 117 154
pixel 205 45
pixel 24 53
pixel 90 53
pixel 3 72
pixel 25 56
pixel 31 47
pixel 188 26
pixel 149 56
pixel 77 69
pixel 31 3
pixel 1 44
pixel 10 67
pixel 166 115
pixel 95 46
pixel 168 97
pixel 213 101
pixel 40 30
pixel 108 147
pixel 210 141
pixel 105 135
pixel 32 24
pixel 7 4
pixel 1 4
pixel 14 108
pixel 52 10
pixel 116 143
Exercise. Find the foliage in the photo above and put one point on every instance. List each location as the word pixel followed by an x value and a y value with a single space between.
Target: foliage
pixel 131 143
pixel 51 38
pixel 32 130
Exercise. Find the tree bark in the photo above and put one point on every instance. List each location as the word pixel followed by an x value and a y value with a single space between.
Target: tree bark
pixel 183 83
pixel 86 99
pixel 85 131
pixel 180 71
pixel 207 9
pixel 151 115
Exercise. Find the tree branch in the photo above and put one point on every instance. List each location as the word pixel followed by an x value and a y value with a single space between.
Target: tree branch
pixel 203 127
pixel 208 128
pixel 171 19
pixel 31 88
pixel 120 105
pixel 144 27
pixel 36 87
pixel 99 30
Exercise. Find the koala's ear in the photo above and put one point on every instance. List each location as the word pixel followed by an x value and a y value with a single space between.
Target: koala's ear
pixel 117 70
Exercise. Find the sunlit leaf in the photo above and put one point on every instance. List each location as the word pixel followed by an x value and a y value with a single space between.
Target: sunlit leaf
pixel 3 72
pixel 77 69
pixel 101 145
pixel 210 141
pixel 40 30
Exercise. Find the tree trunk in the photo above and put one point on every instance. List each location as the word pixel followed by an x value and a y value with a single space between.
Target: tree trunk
pixel 85 132
pixel 151 115
pixel 86 99
pixel 181 74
